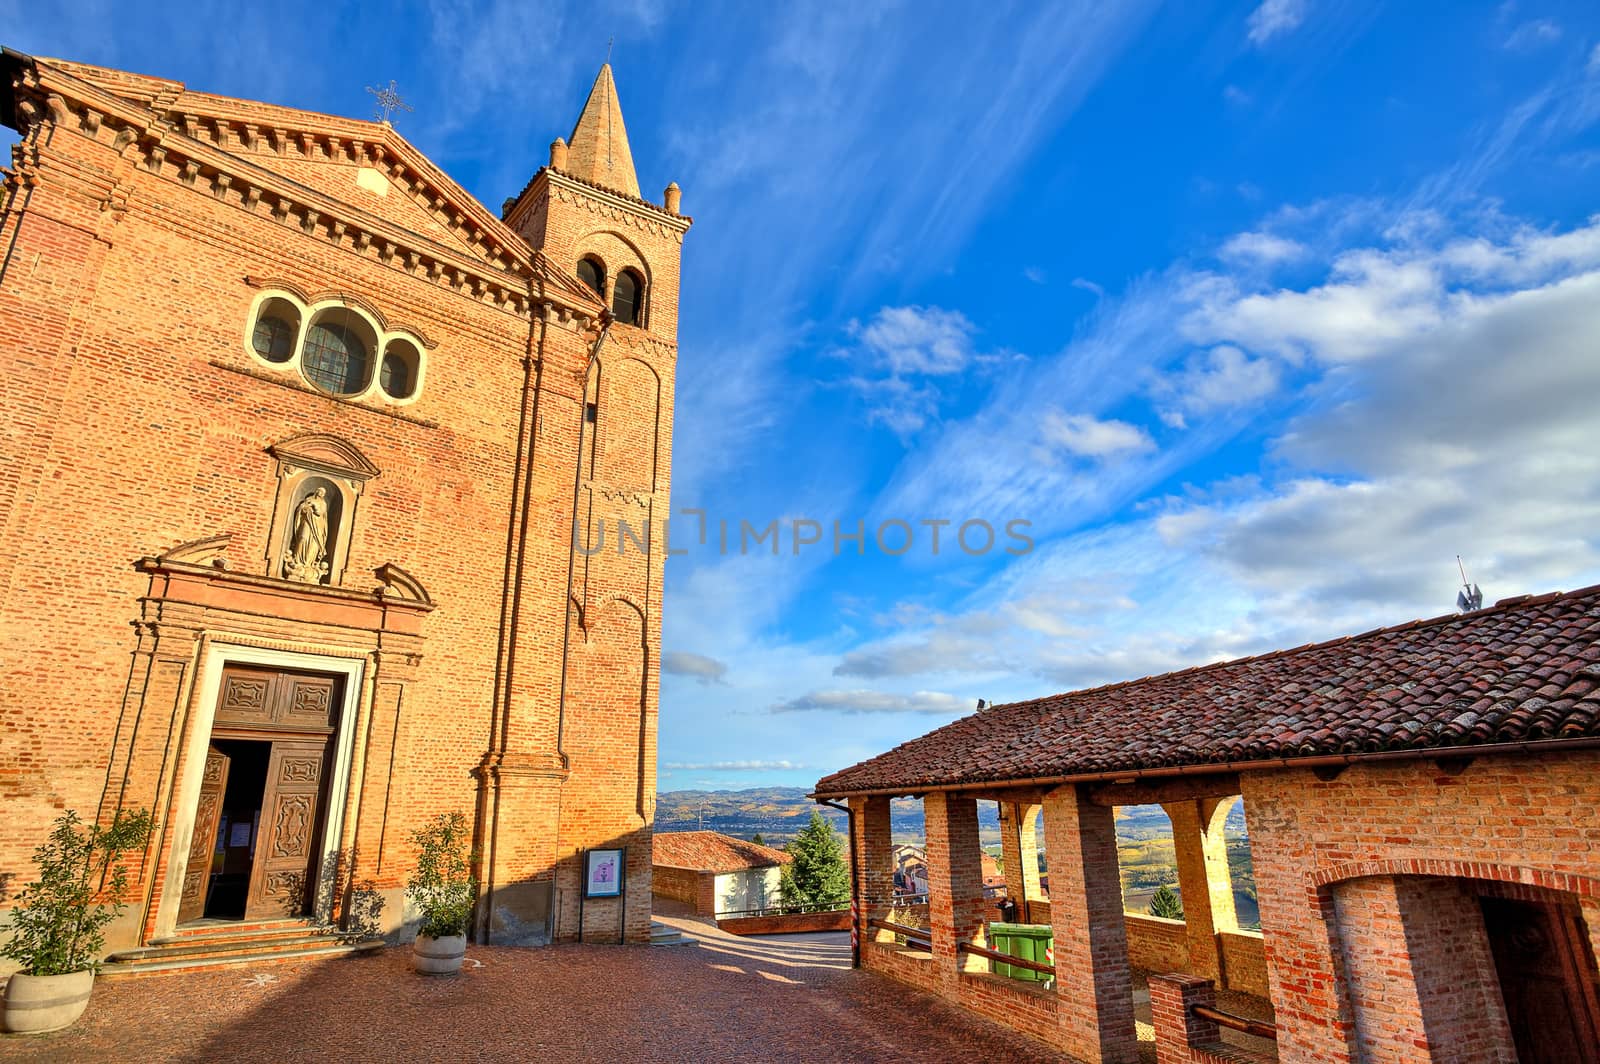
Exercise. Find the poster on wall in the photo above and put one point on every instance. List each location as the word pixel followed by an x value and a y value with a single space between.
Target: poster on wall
pixel 602 874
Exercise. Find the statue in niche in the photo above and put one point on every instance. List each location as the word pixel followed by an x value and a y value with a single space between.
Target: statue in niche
pixel 307 557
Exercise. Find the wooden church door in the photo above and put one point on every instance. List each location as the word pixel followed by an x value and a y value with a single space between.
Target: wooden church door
pixel 197 873
pixel 286 849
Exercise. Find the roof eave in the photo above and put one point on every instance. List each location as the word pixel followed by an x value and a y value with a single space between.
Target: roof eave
pixel 1216 767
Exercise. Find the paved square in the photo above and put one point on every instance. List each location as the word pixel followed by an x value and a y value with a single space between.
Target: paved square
pixel 726 999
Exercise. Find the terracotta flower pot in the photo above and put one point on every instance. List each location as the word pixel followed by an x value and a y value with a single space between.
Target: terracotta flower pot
pixel 439 956
pixel 38 1003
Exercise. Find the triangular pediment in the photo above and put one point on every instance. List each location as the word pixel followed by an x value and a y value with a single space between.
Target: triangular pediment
pixel 366 165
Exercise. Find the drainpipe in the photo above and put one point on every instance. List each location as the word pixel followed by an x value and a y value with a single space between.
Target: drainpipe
pixel 855 893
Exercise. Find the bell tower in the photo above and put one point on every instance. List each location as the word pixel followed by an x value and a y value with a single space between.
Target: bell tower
pixel 585 207
pixel 583 750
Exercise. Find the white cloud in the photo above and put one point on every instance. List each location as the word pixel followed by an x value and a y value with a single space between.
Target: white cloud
pixel 1262 247
pixel 1089 286
pixel 1034 274
pixel 1221 377
pixel 1236 96
pixel 917 340
pixel 698 666
pixel 1274 18
pixel 1594 60
pixel 865 701
pixel 1088 437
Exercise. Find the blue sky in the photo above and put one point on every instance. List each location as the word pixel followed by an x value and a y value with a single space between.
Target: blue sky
pixel 1258 314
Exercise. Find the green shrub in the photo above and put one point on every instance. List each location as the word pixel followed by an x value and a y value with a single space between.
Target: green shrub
pixel 57 926
pixel 442 887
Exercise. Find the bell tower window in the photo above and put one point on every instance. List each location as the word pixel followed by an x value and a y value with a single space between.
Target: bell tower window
pixel 626 299
pixel 593 274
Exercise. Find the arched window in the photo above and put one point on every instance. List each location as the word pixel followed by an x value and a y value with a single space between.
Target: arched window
pixel 397 372
pixel 625 300
pixel 593 274
pixel 336 358
pixel 277 326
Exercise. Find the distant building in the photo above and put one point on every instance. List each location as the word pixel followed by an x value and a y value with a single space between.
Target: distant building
pixel 716 873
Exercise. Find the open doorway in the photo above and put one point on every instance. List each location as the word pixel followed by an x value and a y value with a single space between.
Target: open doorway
pixel 1547 980
pixel 259 820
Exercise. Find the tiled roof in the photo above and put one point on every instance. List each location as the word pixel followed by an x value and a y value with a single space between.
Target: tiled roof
pixel 712 851
pixel 1524 670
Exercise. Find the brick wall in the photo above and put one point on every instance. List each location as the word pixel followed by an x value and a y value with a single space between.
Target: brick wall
pixel 1314 842
pixel 680 884
pixel 140 420
pixel 1156 944
pixel 786 925
pixel 1244 961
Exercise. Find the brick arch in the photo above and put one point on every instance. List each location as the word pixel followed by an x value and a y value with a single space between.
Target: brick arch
pixel 613 605
pixel 1522 875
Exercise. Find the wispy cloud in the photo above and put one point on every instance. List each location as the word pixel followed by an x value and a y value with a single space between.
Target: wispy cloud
pixel 733 766
pixel 864 701
pixel 1273 19
pixel 1533 35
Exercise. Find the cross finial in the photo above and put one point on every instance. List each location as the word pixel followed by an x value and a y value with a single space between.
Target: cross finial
pixel 389 101
pixel 609 43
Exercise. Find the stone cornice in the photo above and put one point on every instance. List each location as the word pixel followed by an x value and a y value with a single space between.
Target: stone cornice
pixel 170 146
pixel 615 205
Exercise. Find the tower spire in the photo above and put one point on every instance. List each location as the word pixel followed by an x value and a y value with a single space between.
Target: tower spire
pixel 598 149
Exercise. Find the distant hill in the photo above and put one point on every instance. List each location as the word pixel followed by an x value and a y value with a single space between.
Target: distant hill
pixel 779 813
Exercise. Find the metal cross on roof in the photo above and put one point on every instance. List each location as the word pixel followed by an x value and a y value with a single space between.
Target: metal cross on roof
pixel 389 101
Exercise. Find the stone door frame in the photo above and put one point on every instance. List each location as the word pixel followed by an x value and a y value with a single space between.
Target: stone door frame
pixel 217 653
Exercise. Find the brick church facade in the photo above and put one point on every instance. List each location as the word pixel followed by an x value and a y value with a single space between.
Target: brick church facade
pixel 307 456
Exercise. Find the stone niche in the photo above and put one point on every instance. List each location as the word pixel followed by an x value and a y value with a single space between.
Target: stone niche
pixel 320 478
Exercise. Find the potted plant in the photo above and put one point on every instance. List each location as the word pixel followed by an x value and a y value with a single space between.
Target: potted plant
pixel 58 926
pixel 443 890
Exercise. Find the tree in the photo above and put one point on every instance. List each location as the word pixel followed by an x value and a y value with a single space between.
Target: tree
pixel 1166 904
pixel 757 839
pixel 817 877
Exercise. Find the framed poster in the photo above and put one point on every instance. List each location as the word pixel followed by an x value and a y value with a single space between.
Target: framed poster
pixel 602 873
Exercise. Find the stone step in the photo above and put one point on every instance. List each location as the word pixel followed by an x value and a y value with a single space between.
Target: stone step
pixel 219 947
pixel 323 947
pixel 202 929
pixel 665 935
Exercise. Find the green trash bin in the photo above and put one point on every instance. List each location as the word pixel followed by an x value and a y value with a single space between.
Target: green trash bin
pixel 1029 942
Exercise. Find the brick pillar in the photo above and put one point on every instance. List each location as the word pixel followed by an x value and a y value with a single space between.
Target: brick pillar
pixel 1422 981
pixel 1203 879
pixel 1178 1030
pixel 1094 1003
pixel 955 885
pixel 1020 854
pixel 872 851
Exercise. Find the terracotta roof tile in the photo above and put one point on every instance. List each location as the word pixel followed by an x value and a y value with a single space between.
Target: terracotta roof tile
pixel 1523 670
pixel 712 851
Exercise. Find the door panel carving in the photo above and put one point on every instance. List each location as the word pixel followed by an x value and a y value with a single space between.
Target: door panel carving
pixel 246 697
pixel 197 873
pixel 291 823
pixel 261 698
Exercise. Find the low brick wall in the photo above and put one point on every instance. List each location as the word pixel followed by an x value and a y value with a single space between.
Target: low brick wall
pixel 1244 962
pixel 1181 1036
pixel 1024 1006
pixel 678 883
pixel 786 925
pixel 1156 944
pixel 911 966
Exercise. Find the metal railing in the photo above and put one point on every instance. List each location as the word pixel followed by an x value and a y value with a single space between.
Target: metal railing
pixel 1243 1024
pixel 1005 958
pixel 916 937
pixel 784 910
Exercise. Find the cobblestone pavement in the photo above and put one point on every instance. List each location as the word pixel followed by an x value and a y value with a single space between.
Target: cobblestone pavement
pixel 745 1000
